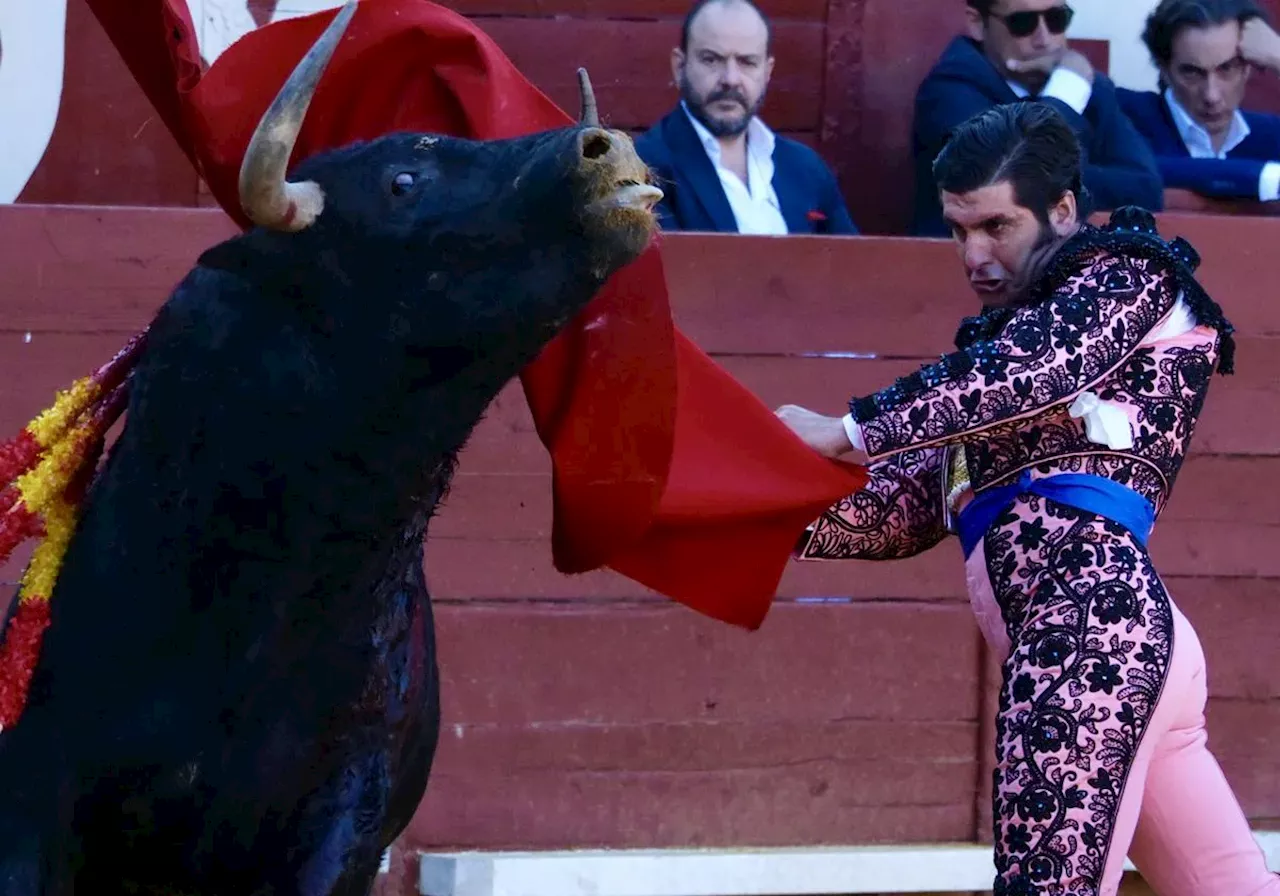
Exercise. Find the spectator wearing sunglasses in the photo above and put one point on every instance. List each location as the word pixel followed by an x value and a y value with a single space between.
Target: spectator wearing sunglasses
pixel 1205 51
pixel 1016 50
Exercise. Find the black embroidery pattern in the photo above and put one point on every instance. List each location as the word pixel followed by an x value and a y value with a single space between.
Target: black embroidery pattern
pixel 1167 384
pixel 1106 289
pixel 1130 230
pixel 1045 354
pixel 1091 629
pixel 898 514
pixel 1169 387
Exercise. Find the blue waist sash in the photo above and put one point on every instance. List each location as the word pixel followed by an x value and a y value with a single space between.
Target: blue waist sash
pixel 1083 491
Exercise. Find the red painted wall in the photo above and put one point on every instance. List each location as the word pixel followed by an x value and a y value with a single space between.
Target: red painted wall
pixel 586 711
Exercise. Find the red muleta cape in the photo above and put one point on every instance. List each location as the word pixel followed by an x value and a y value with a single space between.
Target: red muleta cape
pixel 665 468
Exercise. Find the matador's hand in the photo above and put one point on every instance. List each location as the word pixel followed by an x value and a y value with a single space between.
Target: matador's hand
pixel 825 435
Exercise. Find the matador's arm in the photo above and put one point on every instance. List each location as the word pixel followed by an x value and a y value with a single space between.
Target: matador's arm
pixel 1045 355
pixel 899 513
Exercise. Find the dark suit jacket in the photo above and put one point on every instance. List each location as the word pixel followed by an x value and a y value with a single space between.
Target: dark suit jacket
pixel 1119 169
pixel 1235 177
pixel 695 200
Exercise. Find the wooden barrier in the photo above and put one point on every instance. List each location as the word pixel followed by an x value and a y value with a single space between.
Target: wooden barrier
pixel 586 711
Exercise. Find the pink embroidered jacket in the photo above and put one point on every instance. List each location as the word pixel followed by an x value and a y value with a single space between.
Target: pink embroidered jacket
pixel 1104 371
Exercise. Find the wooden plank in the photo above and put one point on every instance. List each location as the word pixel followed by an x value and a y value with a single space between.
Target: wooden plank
pixel 1237 624
pixel 523 665
pixel 32 372
pixel 630 68
pixel 804 10
pixel 728 808
pixel 1243 735
pixel 1179 548
pixel 507 507
pixel 1227 489
pixel 868 765
pixel 107 268
pixel 726 739
pixel 480 569
pixel 1200 548
pixel 1232 260
pixel 893 296
pixel 1241 417
pixel 694 745
pixel 542 667
pixel 492 541
pixel 717 807
pixel 489 570
pixel 97 269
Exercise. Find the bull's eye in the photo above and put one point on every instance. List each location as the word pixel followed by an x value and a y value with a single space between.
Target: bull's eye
pixel 402 183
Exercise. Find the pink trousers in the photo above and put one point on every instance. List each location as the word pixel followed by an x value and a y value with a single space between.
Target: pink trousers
pixel 1101 743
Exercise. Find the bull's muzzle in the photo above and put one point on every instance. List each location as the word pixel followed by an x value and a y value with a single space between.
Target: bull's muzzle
pixel 613 155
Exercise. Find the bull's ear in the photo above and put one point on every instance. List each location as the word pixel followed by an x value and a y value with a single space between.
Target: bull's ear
pixel 590 114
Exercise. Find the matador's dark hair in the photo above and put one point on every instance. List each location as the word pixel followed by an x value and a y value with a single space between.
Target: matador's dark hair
pixel 1029 145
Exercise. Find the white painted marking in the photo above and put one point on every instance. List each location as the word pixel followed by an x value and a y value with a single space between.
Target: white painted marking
pixel 925 868
pixel 32 49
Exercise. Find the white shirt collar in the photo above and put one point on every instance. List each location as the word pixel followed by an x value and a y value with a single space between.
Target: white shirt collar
pixel 1196 139
pixel 755 204
pixel 760 139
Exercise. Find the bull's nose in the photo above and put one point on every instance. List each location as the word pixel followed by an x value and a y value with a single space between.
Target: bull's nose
pixel 594 143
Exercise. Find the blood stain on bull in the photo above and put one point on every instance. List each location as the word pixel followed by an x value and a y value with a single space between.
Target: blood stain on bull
pixel 238 691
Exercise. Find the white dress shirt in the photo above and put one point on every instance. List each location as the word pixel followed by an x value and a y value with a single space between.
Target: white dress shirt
pixel 1070 87
pixel 1200 145
pixel 755 204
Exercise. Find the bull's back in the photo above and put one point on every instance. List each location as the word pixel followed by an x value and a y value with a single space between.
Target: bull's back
pixel 217 659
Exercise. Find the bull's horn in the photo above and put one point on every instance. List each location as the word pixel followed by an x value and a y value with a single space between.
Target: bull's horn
pixel 590 117
pixel 266 197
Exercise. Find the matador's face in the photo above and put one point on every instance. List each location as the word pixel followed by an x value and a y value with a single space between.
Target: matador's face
pixel 1000 240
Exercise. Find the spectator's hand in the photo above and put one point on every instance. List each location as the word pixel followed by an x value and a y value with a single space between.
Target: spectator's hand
pixel 1260 45
pixel 1075 61
pixel 824 435
pixel 1041 65
pixel 1072 60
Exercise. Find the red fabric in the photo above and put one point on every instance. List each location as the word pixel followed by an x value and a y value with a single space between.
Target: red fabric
pixel 665 468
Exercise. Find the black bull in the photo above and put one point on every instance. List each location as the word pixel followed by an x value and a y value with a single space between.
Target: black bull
pixel 238 691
